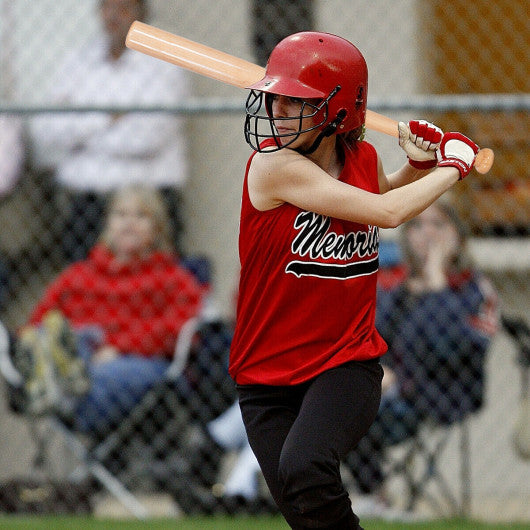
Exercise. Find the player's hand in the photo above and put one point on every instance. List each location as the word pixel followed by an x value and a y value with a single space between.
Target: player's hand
pixel 105 354
pixel 420 139
pixel 458 151
pixel 441 249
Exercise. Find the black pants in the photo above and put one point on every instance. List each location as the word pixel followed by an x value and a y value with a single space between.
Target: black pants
pixel 301 433
pixel 397 420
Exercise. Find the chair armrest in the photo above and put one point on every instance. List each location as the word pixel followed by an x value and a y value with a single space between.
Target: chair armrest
pixel 7 368
pixel 183 347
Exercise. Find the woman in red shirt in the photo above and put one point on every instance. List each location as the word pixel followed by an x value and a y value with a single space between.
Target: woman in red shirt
pixel 305 350
pixel 126 304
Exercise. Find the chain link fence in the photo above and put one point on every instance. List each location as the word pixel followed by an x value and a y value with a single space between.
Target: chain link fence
pixel 463 65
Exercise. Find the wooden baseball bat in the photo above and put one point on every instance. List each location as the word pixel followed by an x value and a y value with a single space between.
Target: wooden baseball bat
pixel 234 71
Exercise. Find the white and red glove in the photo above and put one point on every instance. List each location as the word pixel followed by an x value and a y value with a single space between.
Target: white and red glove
pixel 458 151
pixel 420 139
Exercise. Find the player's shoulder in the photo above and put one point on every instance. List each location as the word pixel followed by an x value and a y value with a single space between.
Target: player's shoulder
pixel 273 162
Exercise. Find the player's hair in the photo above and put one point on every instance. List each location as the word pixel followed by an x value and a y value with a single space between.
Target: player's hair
pixel 462 260
pixel 350 139
pixel 153 204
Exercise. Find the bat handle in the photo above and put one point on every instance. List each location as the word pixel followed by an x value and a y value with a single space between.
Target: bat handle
pixel 386 125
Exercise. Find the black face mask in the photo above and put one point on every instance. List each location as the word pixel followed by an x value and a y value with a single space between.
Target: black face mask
pixel 260 124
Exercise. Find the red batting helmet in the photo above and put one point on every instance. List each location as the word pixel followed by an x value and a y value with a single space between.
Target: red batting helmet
pixel 311 65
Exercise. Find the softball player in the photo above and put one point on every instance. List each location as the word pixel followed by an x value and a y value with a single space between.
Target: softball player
pixel 305 355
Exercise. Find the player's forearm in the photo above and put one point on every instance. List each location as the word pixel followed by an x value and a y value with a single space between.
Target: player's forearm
pixel 405 175
pixel 407 201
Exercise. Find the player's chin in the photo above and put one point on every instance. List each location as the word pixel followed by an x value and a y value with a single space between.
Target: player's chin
pixel 286 136
pixel 295 140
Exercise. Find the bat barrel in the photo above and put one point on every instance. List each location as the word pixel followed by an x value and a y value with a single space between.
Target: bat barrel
pixel 193 56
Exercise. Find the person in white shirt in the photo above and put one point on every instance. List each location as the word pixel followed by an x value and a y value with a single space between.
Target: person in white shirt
pixel 93 153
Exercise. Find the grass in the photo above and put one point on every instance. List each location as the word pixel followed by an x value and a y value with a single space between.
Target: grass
pixel 226 523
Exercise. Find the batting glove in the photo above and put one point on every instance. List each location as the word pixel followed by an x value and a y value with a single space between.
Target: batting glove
pixel 420 139
pixel 458 151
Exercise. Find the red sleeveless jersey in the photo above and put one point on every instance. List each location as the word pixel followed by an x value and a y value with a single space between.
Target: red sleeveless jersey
pixel 307 290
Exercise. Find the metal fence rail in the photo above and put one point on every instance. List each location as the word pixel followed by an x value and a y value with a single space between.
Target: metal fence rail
pixel 429 103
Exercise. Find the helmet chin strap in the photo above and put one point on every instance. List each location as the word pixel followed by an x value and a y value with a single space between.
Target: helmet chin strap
pixel 327 131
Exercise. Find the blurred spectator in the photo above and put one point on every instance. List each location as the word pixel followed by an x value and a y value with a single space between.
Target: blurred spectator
pixel 12 158
pixel 222 437
pixel 227 431
pixel 438 315
pixel 90 154
pixel 120 311
pixel 225 470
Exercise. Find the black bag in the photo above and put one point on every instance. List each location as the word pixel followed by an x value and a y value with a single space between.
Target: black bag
pixel 32 496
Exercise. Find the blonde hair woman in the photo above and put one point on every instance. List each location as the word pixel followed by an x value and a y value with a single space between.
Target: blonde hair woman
pixel 149 205
pixel 120 310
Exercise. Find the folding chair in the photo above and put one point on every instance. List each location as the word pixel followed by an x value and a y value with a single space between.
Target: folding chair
pixel 153 447
pixel 91 458
pixel 160 419
pixel 417 463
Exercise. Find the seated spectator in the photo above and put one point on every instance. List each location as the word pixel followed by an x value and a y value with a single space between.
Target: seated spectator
pixel 225 470
pixel 89 154
pixel 216 439
pixel 119 311
pixel 438 315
